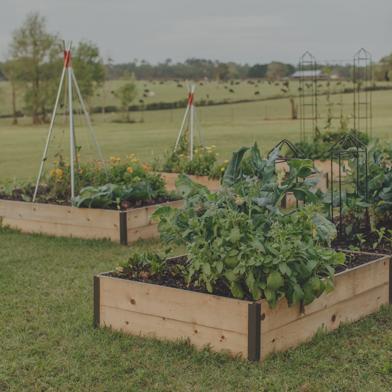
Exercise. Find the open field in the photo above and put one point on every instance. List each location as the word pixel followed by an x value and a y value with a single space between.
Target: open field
pixel 226 126
pixel 48 342
pixel 173 91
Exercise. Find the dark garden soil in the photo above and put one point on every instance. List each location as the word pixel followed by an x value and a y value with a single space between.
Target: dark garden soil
pixel 172 276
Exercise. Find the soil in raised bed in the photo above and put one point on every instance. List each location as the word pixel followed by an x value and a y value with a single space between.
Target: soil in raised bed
pixel 172 275
pixel 369 244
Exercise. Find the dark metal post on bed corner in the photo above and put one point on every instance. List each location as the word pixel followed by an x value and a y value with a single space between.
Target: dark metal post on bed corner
pixel 123 227
pixel 97 295
pixel 254 331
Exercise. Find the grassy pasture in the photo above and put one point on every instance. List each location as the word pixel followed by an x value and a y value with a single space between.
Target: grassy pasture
pixel 173 91
pixel 226 126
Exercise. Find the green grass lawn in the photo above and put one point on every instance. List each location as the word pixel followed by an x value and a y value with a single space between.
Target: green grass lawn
pixel 48 342
pixel 226 126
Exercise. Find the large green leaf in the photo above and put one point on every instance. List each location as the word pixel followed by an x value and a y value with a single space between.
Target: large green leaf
pixel 233 170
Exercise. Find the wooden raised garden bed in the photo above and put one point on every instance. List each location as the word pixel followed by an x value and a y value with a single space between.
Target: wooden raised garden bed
pixel 90 223
pixel 246 328
pixel 171 178
pixel 325 167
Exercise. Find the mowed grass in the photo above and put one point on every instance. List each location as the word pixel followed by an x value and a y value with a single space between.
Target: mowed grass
pixel 48 342
pixel 226 126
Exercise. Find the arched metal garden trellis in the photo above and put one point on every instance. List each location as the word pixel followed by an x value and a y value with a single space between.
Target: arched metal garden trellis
pixel 308 94
pixel 295 151
pixel 348 147
pixel 362 87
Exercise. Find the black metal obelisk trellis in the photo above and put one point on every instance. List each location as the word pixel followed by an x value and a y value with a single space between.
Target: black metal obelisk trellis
pixel 348 147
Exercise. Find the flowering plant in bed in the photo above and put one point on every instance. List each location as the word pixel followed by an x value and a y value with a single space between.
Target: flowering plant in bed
pixel 240 243
pixel 121 184
pixel 204 162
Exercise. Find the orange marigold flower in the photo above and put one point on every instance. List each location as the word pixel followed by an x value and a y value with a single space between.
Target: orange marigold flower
pixel 130 169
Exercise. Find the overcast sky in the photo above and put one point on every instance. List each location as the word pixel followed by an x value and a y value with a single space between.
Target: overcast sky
pixel 240 30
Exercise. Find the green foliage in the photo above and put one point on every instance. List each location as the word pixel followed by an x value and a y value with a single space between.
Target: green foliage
pixel 38 52
pixel 374 201
pixel 319 147
pixel 239 238
pixel 204 162
pixel 118 185
pixel 145 265
pixel 251 171
pixel 117 196
pixel 127 94
pixel 89 68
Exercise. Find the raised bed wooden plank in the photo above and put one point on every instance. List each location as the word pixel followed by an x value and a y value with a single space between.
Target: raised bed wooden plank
pixel 51 213
pixel 61 230
pixel 166 328
pixel 139 217
pixel 324 166
pixel 347 284
pixel 89 223
pixel 171 178
pixel 328 319
pixel 183 305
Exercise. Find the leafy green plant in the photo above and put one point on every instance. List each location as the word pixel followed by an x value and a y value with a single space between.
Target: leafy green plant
pixel 271 187
pixel 369 203
pixel 120 184
pixel 144 265
pixel 239 238
pixel 118 196
pixel 204 162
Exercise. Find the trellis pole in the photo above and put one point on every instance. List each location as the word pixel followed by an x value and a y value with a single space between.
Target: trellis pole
pixel 68 84
pixel 189 116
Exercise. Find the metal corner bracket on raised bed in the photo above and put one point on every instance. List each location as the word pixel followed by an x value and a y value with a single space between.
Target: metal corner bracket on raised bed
pixel 123 227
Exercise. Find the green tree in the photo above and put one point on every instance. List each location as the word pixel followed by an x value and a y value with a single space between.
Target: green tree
pixel 13 71
pixel 37 51
pixel 126 94
pixel 89 68
pixel 383 70
pixel 276 70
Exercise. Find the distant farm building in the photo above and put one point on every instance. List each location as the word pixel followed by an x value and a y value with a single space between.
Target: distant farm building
pixel 314 74
pixel 308 75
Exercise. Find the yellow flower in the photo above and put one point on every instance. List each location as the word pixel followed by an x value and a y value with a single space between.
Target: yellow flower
pixel 59 173
pixel 226 161
pixel 115 160
pixel 130 170
pixel 53 172
pixel 222 169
